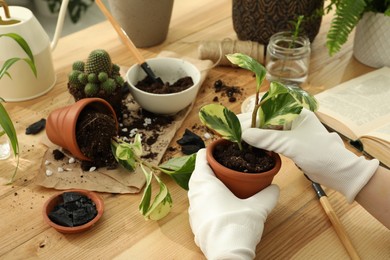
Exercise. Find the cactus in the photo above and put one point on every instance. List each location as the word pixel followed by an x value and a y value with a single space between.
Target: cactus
pixel 78 65
pixel 108 86
pixel 98 61
pixel 91 89
pixel 95 77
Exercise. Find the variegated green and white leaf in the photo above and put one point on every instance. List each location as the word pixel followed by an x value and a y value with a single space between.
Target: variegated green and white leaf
pixel 246 62
pixel 221 120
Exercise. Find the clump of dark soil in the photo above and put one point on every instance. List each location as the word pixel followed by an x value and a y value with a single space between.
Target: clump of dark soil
pixel 75 210
pixel 249 159
pixel 229 91
pixel 94 131
pixel 151 86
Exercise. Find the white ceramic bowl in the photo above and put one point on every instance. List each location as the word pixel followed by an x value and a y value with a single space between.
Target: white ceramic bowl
pixel 169 70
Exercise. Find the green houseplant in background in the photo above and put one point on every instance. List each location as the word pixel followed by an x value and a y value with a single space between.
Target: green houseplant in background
pixel 76 8
pixel 277 108
pixel 347 15
pixel 5 120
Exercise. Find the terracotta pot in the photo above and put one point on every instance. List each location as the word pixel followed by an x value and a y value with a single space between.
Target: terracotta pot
pixel 61 123
pixel 243 185
pixel 57 199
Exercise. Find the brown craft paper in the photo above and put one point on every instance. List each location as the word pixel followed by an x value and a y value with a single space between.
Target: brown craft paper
pixel 118 180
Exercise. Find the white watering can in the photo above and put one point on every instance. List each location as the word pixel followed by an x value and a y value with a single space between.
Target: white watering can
pixel 23 84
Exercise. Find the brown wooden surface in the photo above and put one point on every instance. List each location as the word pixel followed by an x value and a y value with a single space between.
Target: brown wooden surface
pixel 298 228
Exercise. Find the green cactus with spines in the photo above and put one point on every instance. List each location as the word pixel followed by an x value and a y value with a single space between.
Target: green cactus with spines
pixel 93 78
pixel 91 89
pixel 119 80
pixel 83 78
pixel 115 68
pixel 108 86
pixel 103 76
pixel 78 65
pixel 98 61
pixel 73 77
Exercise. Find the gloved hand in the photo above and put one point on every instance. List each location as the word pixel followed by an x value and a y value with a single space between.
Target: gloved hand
pixel 321 155
pixel 226 227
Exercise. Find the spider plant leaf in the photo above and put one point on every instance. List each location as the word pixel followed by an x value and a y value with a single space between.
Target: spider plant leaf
pixel 8 128
pixel 180 169
pixel 223 121
pixel 246 62
pixel 348 14
pixel 7 64
pixel 26 48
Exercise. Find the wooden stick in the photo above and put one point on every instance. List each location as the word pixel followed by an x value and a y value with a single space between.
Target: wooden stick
pixel 122 34
pixel 337 225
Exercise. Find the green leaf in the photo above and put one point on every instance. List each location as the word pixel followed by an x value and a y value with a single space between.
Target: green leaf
pixel 162 203
pixel 283 103
pixel 221 120
pixel 348 14
pixel 9 129
pixel 246 62
pixel 26 48
pixel 147 195
pixel 180 169
pixel 124 155
pixel 7 64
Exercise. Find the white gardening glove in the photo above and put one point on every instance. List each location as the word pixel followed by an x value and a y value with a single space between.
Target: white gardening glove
pixel 321 155
pixel 226 227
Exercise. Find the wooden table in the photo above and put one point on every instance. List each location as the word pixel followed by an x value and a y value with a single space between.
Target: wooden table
pixel 296 229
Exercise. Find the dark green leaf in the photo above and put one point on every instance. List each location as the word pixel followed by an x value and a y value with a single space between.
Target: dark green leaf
pixel 180 169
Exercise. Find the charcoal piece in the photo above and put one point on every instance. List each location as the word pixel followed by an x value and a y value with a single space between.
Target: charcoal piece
pixel 190 142
pixel 61 217
pixel 71 197
pixel 36 127
pixel 75 210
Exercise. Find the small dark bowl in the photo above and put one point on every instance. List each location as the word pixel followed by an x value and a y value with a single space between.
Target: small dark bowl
pixel 57 199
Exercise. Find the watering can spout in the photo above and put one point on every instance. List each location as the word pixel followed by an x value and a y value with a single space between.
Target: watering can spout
pixel 60 24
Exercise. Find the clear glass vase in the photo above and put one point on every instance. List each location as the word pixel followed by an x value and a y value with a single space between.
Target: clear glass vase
pixel 288 58
pixel 5 148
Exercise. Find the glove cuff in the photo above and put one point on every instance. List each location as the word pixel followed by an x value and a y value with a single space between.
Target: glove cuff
pixel 356 177
pixel 215 236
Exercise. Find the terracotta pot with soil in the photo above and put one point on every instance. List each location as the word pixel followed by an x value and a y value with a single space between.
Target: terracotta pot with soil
pixel 257 168
pixel 85 129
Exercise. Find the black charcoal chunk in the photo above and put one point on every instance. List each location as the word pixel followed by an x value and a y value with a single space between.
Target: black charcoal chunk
pixel 75 210
pixel 36 127
pixel 190 142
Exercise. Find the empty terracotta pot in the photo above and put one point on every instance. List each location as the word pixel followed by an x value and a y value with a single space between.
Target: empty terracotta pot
pixel 57 199
pixel 243 185
pixel 61 123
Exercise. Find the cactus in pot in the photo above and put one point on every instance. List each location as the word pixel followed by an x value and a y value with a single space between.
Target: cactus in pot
pixel 97 77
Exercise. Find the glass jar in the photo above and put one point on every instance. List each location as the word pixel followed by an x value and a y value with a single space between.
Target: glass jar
pixel 288 59
pixel 5 148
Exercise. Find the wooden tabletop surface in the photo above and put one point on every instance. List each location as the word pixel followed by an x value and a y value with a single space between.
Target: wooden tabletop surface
pixel 297 228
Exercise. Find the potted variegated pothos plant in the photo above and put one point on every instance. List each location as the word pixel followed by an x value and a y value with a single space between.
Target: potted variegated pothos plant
pixel 277 108
pixel 179 168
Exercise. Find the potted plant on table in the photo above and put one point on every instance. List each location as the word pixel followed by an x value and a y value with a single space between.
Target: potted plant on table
pixel 278 107
pixel 372 22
